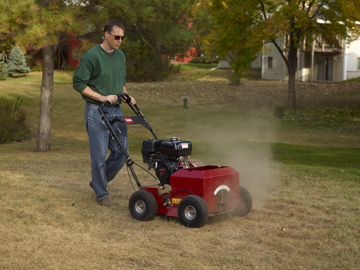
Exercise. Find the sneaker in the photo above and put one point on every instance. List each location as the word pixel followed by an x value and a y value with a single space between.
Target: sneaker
pixel 108 202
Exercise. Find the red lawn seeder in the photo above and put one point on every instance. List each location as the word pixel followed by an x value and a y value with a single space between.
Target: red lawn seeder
pixel 186 188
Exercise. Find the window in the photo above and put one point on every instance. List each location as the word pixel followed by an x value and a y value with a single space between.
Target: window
pixel 270 62
pixel 358 64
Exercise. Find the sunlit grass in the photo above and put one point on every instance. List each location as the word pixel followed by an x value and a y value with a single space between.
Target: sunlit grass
pixel 191 66
pixel 357 79
pixel 60 77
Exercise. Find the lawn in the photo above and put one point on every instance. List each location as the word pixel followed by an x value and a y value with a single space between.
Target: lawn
pixel 192 66
pixel 302 171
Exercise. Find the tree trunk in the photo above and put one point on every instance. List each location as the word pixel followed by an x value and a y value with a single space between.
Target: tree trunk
pixel 291 89
pixel 292 67
pixel 44 128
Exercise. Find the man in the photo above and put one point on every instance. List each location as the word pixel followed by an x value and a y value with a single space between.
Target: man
pixel 100 76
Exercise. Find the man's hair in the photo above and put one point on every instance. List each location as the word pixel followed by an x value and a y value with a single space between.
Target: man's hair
pixel 110 25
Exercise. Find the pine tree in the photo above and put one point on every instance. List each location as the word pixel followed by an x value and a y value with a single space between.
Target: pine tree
pixel 3 71
pixel 17 66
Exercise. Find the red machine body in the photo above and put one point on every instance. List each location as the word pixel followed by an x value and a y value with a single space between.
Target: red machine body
pixel 218 186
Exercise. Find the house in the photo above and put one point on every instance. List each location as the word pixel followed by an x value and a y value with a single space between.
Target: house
pixel 73 58
pixel 65 55
pixel 318 62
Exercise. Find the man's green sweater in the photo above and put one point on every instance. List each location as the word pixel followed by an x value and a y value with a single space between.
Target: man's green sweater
pixel 104 73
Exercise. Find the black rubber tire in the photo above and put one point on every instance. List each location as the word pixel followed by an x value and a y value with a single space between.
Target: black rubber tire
pixel 245 203
pixel 143 205
pixel 193 211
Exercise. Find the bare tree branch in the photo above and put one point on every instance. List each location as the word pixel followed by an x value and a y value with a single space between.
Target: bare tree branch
pixel 263 9
pixel 317 10
pixel 281 51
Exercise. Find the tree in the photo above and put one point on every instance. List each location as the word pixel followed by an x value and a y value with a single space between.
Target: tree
pixel 302 21
pixel 42 24
pixel 154 29
pixel 224 28
pixel 17 66
pixel 6 43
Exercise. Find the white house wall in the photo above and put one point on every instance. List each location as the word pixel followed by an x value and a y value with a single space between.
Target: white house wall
pixel 352 53
pixel 344 63
pixel 224 64
pixel 276 72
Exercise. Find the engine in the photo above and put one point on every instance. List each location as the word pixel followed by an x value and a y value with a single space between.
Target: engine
pixel 166 156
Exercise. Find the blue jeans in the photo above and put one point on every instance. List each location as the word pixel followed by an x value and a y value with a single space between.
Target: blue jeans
pixel 103 169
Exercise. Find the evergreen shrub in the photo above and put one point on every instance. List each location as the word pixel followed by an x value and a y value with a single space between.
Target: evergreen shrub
pixel 17 66
pixel 12 121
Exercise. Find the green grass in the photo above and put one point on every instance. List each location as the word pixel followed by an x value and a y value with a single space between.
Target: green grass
pixel 60 77
pixel 343 158
pixel 191 66
pixel 193 71
pixel 343 118
pixel 353 80
pixel 197 75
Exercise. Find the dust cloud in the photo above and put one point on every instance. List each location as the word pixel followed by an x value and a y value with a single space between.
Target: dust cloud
pixel 245 146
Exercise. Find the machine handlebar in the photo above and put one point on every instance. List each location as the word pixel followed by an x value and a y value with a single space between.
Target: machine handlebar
pixel 134 108
pixel 121 95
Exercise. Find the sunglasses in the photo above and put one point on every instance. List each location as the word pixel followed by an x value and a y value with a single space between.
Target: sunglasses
pixel 118 37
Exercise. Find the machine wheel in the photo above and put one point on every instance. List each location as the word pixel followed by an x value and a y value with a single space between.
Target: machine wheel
pixel 193 211
pixel 245 204
pixel 143 205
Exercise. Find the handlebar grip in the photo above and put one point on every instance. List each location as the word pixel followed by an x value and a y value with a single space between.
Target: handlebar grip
pixel 122 95
pixel 125 96
pixel 104 104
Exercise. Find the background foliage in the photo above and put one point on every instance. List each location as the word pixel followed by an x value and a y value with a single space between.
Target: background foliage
pixel 224 29
pixel 154 29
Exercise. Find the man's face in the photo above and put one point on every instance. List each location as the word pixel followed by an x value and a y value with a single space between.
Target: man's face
pixel 113 43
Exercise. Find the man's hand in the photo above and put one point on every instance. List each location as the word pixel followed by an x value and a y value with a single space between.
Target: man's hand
pixel 111 98
pixel 132 101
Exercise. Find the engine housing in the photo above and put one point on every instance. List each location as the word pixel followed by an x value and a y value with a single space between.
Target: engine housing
pixel 166 156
